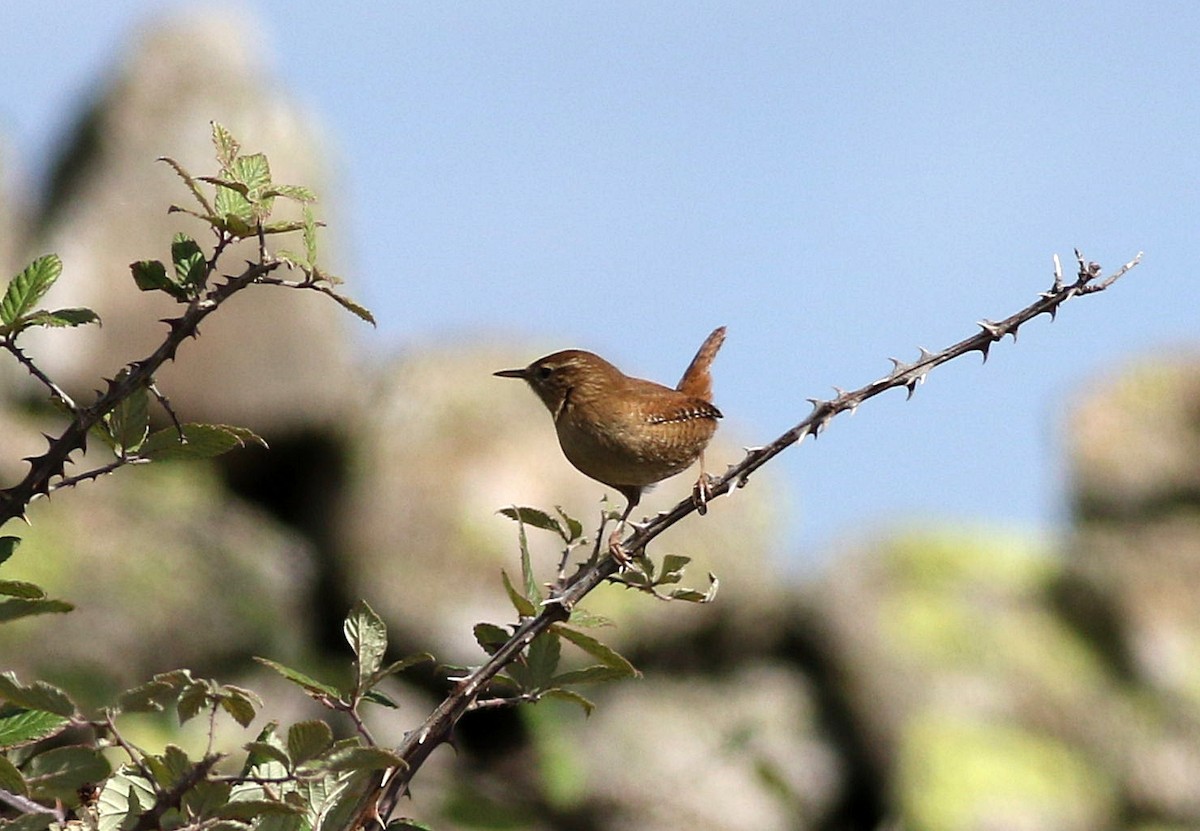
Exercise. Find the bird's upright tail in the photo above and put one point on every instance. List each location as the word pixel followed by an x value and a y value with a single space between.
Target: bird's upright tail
pixel 696 380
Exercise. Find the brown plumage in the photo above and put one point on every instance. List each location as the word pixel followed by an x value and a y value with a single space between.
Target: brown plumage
pixel 626 432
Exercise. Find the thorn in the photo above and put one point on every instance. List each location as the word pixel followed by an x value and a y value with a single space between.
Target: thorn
pixel 756 449
pixel 1058 274
pixel 840 392
pixel 992 328
pixel 925 354
pixel 984 349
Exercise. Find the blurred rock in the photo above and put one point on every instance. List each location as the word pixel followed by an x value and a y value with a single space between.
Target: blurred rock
pixel 741 752
pixel 165 572
pixel 964 687
pixel 443 445
pixel 273 359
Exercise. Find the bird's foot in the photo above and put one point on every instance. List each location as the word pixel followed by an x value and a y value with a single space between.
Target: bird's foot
pixel 617 550
pixel 702 493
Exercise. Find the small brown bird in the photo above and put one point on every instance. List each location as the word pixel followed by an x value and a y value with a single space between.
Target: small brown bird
pixel 626 432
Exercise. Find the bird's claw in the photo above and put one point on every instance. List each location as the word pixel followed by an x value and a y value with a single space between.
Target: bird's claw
pixel 702 493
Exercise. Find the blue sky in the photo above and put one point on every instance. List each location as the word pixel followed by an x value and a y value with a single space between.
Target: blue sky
pixel 837 183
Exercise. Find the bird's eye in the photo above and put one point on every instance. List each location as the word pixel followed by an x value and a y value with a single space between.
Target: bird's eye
pixel 544 372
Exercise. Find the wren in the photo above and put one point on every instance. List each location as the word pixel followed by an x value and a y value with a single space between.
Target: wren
pixel 627 433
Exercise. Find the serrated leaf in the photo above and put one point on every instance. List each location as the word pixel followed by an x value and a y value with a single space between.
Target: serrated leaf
pixel 19 726
pixel 603 653
pixel 11 779
pixel 361 758
pixel 297 193
pixel 190 181
pixel 310 237
pixel 226 145
pixel 283 226
pixel 313 687
pixel 535 517
pixel 18 608
pixel 8 546
pixel 522 604
pixel 189 262
pixel 59 772
pixel 262 752
pixel 28 287
pixel 151 275
pixel 349 305
pixel 155 694
pixel 195 699
pixel 307 740
pixel 37 696
pixel 572 696
pixel 490 637
pixel 254 171
pixel 202 441
pixel 60 318
pixel 206 799
pixel 366 633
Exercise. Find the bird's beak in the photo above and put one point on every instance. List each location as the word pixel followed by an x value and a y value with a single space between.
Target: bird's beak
pixel 511 373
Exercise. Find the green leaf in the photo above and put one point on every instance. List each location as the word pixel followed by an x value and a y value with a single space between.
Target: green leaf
pixel 195 699
pixel 19 588
pixel 313 687
pixel 226 145
pixel 37 696
pixel 155 694
pixel 8 546
pixel 672 567
pixel 239 707
pixel 535 517
pixel 307 740
pixel 19 726
pixel 573 697
pixel 542 660
pixel 490 637
pixel 693 596
pixel 606 655
pixel 248 809
pixel 366 633
pixel 59 772
pixel 19 608
pixel 151 275
pixel 189 261
pixel 190 182
pixel 261 752
pixel 522 604
pixel 588 619
pixel 60 318
pixel 403 664
pixel 11 779
pixel 361 758
pixel 122 798
pixel 573 526
pixel 376 697
pixel 310 239
pixel 28 287
pixel 297 193
pixel 253 171
pixel 594 674
pixel 201 441
pixel 31 822
pixel 129 422
pixel 206 799
pixel 283 226
pixel 349 305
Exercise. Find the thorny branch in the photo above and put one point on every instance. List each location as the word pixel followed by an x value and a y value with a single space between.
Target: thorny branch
pixel 387 788
pixel 51 465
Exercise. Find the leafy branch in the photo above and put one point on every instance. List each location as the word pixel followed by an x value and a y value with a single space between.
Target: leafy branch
pixel 547 616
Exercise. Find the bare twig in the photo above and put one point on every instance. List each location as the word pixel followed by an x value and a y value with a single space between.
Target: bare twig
pixel 28 806
pixel 387 788
pixel 55 390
